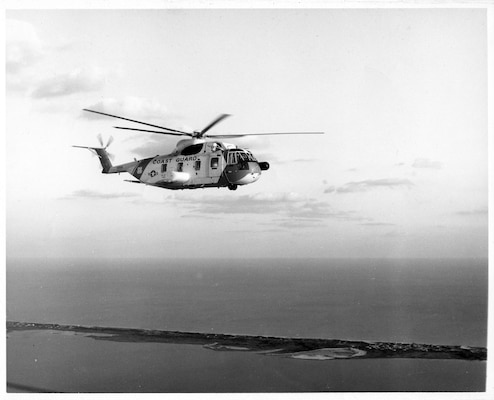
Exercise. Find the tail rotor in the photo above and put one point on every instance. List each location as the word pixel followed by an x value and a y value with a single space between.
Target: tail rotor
pixel 105 158
pixel 108 143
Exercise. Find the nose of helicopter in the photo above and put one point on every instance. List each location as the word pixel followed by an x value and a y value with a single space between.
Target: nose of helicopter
pixel 245 176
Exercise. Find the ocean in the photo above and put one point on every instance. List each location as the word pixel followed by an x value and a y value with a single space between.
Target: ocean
pixel 421 301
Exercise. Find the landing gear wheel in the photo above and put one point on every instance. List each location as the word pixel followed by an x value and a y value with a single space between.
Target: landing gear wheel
pixel 232 187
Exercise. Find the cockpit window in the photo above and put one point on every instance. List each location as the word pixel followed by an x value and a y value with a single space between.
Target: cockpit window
pixel 236 156
pixel 215 146
pixel 193 149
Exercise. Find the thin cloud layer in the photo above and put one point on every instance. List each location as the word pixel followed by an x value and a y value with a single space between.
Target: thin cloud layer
pixel 260 203
pixel 152 145
pixel 92 194
pixel 79 80
pixel 287 209
pixel 370 184
pixel 426 163
pixel 23 46
pixel 482 211
pixel 298 223
pixel 25 50
pixel 130 106
pixel 377 224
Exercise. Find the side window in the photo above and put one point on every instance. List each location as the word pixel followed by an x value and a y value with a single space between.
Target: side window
pixel 197 165
pixel 194 149
pixel 180 166
pixel 163 167
pixel 214 162
pixel 232 158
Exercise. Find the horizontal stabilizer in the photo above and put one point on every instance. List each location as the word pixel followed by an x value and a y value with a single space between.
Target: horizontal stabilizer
pixel 128 180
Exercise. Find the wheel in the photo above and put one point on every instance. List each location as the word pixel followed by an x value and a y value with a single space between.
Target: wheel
pixel 232 187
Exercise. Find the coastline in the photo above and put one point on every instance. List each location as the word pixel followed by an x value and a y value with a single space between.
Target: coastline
pixel 297 348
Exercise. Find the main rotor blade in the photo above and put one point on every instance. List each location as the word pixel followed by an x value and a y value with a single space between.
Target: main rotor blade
pixel 207 128
pixel 233 135
pixel 146 130
pixel 133 120
pixel 84 147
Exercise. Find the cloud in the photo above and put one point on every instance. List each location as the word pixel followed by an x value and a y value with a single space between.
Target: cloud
pixel 426 163
pixel 298 223
pixel 260 203
pixel 289 210
pixel 25 49
pixel 312 209
pixel 481 211
pixel 92 194
pixel 23 46
pixel 377 224
pixel 369 184
pixel 154 145
pixel 303 160
pixel 76 81
pixel 394 234
pixel 195 216
pixel 292 161
pixel 131 107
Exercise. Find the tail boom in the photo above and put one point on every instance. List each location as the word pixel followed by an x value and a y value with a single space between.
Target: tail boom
pixel 105 161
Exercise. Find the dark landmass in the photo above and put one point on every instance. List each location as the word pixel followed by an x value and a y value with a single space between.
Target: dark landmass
pixel 301 348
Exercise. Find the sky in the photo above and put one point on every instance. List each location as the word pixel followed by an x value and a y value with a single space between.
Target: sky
pixel 401 95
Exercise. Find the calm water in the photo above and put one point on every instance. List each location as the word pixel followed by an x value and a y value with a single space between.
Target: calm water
pixel 74 363
pixel 428 301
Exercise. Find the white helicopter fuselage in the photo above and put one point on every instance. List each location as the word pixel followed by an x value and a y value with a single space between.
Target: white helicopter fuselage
pixel 193 164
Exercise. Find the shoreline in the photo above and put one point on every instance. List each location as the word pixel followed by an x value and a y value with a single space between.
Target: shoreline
pixel 297 348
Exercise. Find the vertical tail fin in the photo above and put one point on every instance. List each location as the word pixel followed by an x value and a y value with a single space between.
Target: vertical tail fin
pixel 104 159
pixel 103 156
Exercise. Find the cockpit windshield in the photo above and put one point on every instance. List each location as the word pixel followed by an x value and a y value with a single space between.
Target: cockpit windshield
pixel 239 156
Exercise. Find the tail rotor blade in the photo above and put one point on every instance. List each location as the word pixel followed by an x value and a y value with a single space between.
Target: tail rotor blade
pixel 100 139
pixel 110 141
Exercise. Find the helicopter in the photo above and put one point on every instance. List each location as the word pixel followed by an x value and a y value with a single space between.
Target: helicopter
pixel 200 161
